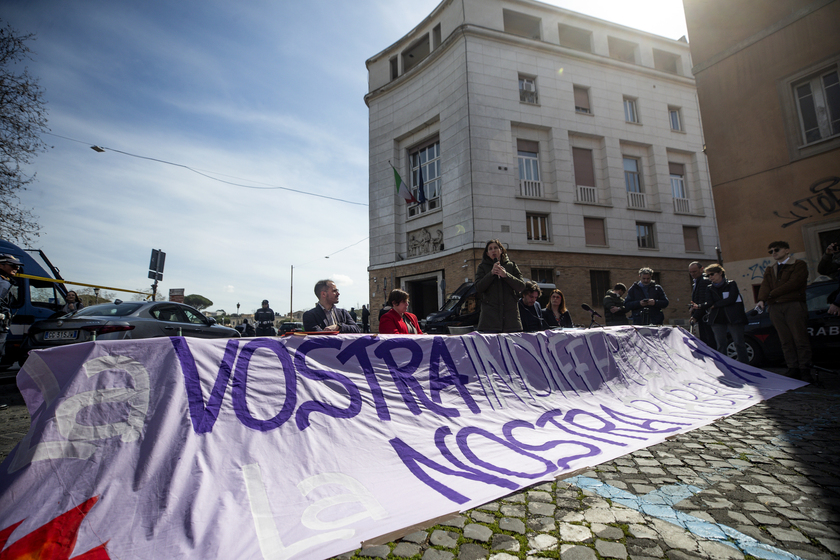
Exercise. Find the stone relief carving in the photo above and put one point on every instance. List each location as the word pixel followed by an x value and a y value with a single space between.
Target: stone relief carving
pixel 421 242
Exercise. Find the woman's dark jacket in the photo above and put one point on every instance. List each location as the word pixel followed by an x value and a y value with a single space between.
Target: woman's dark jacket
pixel 611 300
pixel 725 299
pixel 499 296
pixel 565 319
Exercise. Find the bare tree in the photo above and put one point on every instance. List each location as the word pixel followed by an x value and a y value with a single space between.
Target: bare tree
pixel 23 117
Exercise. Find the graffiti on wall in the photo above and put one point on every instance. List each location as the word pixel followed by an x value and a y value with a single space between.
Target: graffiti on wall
pixel 757 270
pixel 824 201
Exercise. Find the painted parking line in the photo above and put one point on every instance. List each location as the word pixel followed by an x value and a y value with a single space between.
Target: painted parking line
pixel 659 504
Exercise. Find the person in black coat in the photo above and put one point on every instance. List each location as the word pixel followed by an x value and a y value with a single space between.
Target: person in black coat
pixel 530 312
pixel 726 311
pixel 699 285
pixel 556 314
pixel 646 300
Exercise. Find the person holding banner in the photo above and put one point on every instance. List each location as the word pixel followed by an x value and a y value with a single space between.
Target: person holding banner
pixel 498 283
pixel 398 320
pixel 726 311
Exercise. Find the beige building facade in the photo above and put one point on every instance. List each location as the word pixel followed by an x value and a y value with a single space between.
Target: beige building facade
pixel 767 81
pixel 574 141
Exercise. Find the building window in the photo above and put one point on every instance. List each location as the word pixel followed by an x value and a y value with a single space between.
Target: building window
pixel 528 89
pixel 415 53
pixel 681 201
pixel 666 62
pixel 425 178
pixel 584 175
pixel 582 100
pixel 575 38
pixel 631 115
pixel 633 183
pixel 691 236
pixel 528 153
pixel 599 281
pixel 522 25
pixel 644 236
pixel 818 104
pixel 675 118
pixel 542 275
pixel 622 50
pixel 594 232
pixel 536 226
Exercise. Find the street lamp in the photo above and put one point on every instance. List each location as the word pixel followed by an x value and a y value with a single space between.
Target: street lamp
pixel 96 293
pixel 237 309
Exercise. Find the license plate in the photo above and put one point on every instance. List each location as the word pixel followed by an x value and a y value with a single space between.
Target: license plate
pixel 61 335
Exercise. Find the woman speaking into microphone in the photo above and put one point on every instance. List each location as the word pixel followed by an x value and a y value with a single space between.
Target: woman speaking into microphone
pixel 498 282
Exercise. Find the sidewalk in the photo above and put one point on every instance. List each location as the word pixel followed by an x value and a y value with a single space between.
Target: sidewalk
pixel 763 483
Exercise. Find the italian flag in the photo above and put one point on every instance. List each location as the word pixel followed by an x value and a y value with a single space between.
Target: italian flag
pixel 402 189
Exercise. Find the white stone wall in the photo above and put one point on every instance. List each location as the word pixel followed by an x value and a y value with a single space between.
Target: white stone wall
pixel 466 92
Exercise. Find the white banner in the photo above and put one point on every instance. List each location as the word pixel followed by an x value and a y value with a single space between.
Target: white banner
pixel 303 447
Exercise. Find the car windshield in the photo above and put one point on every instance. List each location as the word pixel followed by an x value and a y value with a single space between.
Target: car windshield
pixel 818 295
pixel 109 310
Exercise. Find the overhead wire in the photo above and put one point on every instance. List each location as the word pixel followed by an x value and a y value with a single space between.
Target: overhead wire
pixel 197 172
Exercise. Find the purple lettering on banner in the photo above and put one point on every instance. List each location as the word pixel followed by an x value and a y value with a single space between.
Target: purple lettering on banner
pixel 309 407
pixel 532 351
pixel 563 462
pixel 358 349
pixel 556 343
pixel 412 459
pixel 403 376
pixel 437 383
pixel 691 342
pixel 463 445
pixel 646 424
pixel 202 417
pixel 240 385
pixel 551 416
pixel 608 427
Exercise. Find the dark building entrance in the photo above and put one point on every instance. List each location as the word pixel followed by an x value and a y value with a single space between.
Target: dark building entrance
pixel 423 295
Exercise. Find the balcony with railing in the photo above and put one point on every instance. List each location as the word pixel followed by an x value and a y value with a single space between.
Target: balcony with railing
pixel 682 206
pixel 530 188
pixel 636 200
pixel 587 194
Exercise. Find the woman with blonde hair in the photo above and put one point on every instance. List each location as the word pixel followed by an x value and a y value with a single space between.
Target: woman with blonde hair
pixel 498 282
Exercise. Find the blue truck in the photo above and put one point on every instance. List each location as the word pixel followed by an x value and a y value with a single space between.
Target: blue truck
pixel 31 300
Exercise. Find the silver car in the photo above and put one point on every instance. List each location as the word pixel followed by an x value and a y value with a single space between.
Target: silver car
pixel 124 320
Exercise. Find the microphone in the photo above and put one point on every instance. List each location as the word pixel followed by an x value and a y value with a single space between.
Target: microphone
pixel 755 311
pixel 587 308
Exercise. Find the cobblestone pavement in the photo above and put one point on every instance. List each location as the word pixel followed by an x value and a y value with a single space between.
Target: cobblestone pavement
pixel 763 483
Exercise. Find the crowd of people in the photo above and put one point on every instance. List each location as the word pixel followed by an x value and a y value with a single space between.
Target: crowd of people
pixel 510 304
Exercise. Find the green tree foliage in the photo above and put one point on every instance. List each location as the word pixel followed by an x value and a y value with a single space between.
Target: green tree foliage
pixel 198 301
pixel 88 296
pixel 23 118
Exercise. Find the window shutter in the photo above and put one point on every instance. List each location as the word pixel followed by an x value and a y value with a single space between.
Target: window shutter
pixel 692 238
pixel 594 231
pixel 582 98
pixel 584 173
pixel 527 146
pixel 676 169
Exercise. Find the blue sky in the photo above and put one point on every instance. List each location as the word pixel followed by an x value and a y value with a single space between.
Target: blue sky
pixel 265 94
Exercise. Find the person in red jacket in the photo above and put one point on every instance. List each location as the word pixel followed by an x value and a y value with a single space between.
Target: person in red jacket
pixel 398 320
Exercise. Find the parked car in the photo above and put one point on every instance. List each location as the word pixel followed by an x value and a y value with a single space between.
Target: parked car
pixel 124 320
pixel 290 326
pixel 762 340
